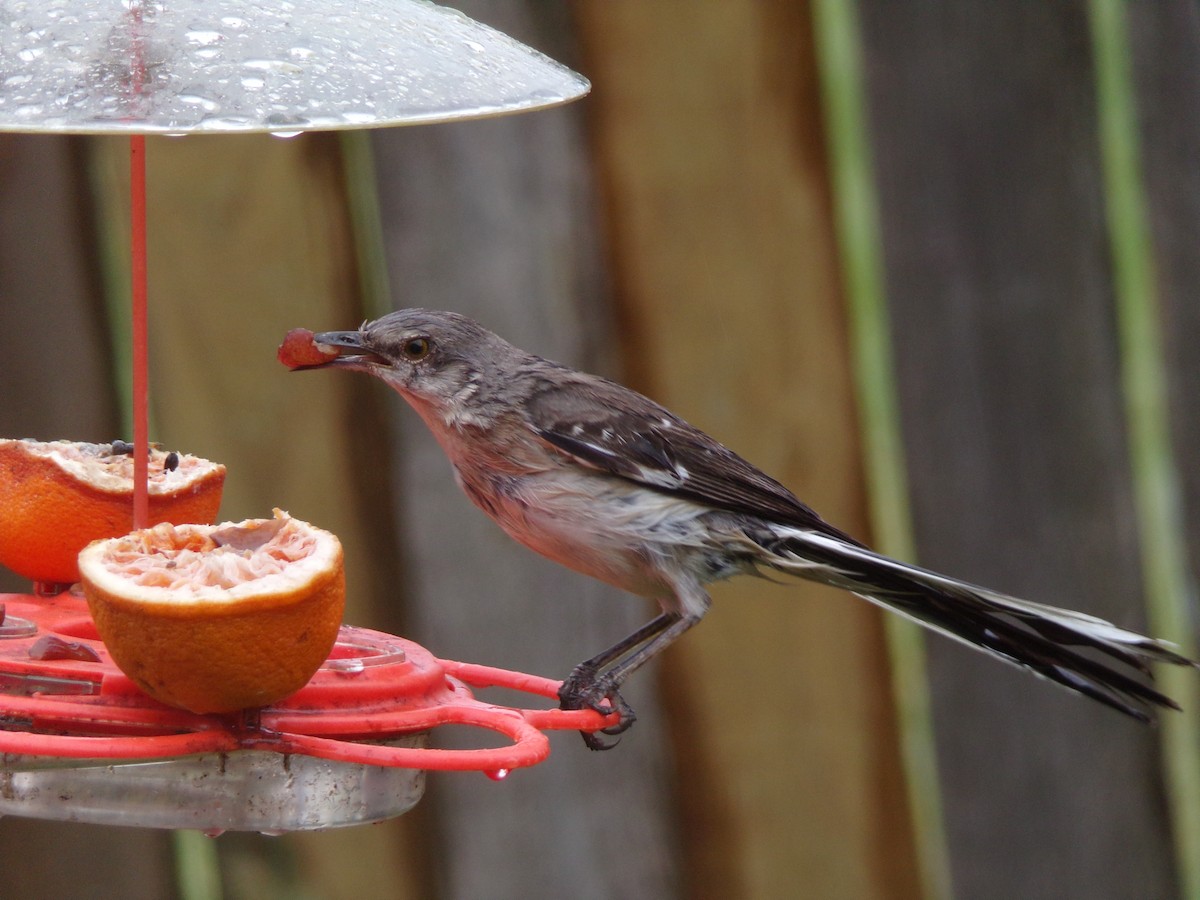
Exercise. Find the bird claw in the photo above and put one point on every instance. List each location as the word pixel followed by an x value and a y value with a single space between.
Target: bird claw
pixel 594 742
pixel 586 689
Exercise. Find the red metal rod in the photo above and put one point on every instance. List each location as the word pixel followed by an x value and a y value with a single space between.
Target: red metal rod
pixel 141 366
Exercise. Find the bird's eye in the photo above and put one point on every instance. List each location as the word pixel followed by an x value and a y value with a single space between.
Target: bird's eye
pixel 416 348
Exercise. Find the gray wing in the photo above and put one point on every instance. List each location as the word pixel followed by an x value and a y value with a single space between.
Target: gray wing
pixel 611 428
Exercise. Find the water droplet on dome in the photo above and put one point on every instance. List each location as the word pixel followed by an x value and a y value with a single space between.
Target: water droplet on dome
pixel 204 37
pixel 205 103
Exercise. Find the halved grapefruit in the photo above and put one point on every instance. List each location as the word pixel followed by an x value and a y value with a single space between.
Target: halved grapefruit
pixel 57 497
pixel 217 618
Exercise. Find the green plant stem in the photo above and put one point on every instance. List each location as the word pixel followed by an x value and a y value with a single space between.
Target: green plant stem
pixel 855 203
pixel 358 166
pixel 1156 484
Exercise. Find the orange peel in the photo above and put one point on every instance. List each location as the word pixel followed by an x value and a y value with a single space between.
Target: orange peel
pixel 218 618
pixel 56 497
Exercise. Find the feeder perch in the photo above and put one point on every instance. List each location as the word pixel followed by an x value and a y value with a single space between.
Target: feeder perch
pixel 81 742
pixel 78 740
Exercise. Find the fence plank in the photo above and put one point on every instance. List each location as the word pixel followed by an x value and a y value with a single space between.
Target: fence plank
pixel 1165 41
pixel 496 220
pixel 1169 589
pixel 709 134
pixel 986 147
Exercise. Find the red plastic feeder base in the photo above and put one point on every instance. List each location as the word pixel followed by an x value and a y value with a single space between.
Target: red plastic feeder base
pixel 81 742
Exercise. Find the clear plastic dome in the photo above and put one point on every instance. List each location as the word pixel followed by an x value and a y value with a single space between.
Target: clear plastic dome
pixel 184 66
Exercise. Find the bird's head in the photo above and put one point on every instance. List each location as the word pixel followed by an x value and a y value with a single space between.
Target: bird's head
pixel 439 361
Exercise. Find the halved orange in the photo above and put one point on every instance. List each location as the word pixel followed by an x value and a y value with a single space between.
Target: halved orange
pixel 217 618
pixel 57 497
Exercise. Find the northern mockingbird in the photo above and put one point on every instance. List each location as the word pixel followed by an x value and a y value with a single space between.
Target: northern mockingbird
pixel 607 482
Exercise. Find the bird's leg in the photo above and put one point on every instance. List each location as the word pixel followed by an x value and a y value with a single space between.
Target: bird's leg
pixel 586 688
pixel 595 683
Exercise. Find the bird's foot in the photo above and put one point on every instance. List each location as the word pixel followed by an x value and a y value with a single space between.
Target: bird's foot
pixel 585 688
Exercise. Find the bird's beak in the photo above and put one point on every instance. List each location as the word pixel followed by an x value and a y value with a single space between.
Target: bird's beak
pixel 352 354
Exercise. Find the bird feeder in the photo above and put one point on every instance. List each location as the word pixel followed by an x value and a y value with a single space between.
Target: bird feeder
pixel 78 740
pixel 81 742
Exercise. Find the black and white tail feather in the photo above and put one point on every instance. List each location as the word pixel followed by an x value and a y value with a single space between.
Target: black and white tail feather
pixel 1081 652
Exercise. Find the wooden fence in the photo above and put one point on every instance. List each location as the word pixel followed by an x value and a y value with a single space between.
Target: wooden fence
pixel 930 264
